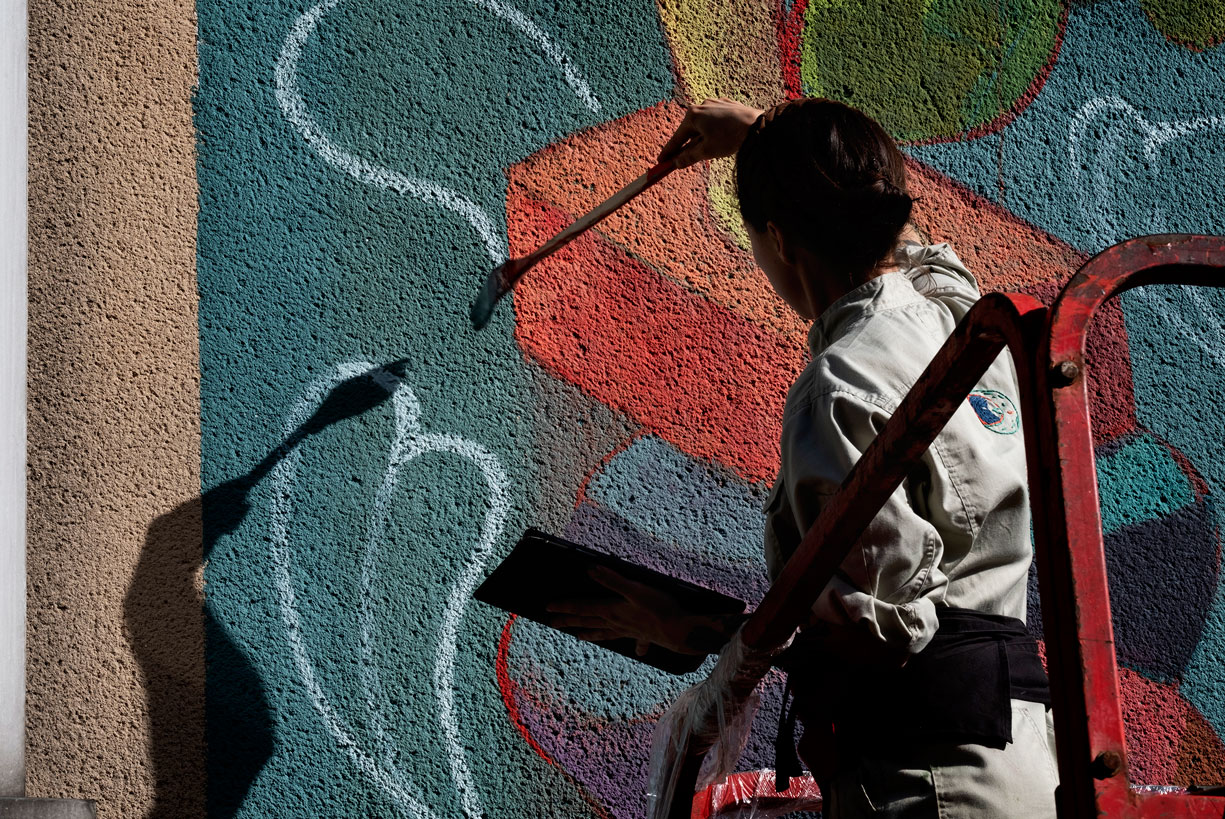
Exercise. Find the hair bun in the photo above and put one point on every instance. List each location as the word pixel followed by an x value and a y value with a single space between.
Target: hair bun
pixel 880 201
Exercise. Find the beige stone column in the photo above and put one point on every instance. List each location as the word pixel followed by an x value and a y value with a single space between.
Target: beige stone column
pixel 115 634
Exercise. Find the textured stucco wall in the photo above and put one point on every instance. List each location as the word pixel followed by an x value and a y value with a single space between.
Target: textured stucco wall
pixel 358 458
pixel 115 630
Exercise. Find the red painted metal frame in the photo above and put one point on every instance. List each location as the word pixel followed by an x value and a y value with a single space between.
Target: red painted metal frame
pixel 755 790
pixel 1063 490
pixel 1068 531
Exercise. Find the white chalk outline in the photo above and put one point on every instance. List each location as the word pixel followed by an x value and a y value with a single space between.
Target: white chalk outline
pixel 1156 136
pixel 289 97
pixel 533 32
pixel 293 106
pixel 408 443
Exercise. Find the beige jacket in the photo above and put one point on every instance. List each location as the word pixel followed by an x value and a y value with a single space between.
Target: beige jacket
pixel 957 530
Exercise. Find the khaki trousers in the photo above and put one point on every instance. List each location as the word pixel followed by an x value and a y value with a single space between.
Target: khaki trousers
pixel 956 781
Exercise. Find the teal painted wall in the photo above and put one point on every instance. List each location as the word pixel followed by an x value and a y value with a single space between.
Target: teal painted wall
pixel 367 457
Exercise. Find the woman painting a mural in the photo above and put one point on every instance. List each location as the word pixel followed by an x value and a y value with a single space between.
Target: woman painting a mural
pixel 921 693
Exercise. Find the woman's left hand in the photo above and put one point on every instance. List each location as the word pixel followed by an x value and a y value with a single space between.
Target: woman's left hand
pixel 640 612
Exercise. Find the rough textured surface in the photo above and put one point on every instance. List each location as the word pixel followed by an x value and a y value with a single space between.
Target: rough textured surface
pixel 629 392
pixel 115 703
pixel 365 457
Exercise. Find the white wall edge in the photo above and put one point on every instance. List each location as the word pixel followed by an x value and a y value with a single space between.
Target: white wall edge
pixel 13 259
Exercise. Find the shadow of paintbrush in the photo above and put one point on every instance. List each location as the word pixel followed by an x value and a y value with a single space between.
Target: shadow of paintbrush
pixel 225 505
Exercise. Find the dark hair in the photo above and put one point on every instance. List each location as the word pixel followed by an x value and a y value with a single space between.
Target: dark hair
pixel 829 177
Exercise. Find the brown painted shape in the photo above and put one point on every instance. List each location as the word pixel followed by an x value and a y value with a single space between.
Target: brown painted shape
pixel 1201 757
pixel 114 437
pixel 573 434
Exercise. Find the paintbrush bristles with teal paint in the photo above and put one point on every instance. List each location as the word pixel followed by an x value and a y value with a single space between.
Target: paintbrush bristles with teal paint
pixel 504 278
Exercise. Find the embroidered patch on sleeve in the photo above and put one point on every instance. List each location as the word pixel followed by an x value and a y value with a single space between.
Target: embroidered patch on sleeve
pixel 996 411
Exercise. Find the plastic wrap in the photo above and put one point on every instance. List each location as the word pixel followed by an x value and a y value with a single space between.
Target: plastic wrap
pixel 751 795
pixel 715 714
pixel 1162 790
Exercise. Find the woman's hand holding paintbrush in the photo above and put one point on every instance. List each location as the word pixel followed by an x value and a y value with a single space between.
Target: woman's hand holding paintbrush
pixel 712 129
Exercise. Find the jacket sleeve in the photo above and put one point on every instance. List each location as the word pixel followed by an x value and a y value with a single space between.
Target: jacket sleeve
pixel 890 582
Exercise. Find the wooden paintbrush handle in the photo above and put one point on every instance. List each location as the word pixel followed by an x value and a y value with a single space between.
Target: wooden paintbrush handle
pixel 600 211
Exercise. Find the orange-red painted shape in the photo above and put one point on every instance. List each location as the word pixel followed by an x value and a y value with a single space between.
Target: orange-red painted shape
pixel 668 241
pixel 1004 252
pixel 700 376
pixel 1155 716
pixel 1008 254
pixel 670 227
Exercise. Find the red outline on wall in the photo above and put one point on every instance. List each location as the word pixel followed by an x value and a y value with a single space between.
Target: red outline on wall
pixel 789 30
pixel 581 496
pixel 509 690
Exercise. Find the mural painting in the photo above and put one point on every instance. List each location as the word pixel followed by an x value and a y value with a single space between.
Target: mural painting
pixel 363 167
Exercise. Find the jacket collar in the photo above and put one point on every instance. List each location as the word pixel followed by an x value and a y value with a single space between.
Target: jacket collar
pixel 906 285
pixel 881 293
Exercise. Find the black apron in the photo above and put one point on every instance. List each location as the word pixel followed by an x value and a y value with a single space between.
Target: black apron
pixel 957 690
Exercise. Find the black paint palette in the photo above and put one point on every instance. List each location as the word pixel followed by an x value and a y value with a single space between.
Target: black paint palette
pixel 542 569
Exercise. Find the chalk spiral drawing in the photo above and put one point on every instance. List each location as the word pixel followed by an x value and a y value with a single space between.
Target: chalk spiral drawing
pixel 1156 136
pixel 409 442
pixel 289 98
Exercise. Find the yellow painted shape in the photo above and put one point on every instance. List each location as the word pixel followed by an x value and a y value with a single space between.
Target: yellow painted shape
pixel 721 190
pixel 724 48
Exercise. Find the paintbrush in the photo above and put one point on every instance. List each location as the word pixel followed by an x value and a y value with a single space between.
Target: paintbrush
pixel 503 279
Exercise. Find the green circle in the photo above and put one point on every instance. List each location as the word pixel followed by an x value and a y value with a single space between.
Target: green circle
pixel 928 69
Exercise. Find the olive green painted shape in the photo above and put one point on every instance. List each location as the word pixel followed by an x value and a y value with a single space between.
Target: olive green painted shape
pixel 1195 23
pixel 927 69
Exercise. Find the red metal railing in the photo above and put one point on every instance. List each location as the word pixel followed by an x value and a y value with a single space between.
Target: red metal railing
pixel 1048 350
pixel 1068 531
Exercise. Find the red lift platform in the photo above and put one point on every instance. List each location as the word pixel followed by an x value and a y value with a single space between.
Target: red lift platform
pixel 1048 348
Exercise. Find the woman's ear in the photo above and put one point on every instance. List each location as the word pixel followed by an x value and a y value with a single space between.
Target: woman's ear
pixel 781 245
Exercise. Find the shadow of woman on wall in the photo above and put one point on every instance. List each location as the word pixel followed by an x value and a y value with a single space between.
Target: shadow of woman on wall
pixel 207 744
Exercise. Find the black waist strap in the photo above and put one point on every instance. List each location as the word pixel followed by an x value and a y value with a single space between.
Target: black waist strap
pixel 958 689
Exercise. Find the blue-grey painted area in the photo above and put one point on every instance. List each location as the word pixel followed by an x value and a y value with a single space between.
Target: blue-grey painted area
pixel 306 265
pixel 368 457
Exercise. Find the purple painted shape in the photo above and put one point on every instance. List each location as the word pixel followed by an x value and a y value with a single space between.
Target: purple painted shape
pixel 605 531
pixel 1163 577
pixel 607 757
